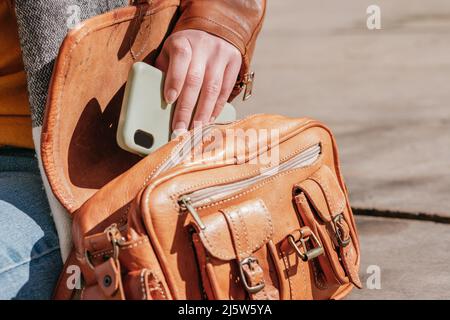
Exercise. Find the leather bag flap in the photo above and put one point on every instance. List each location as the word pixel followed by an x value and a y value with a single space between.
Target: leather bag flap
pixel 238 231
pixel 78 145
pixel 323 191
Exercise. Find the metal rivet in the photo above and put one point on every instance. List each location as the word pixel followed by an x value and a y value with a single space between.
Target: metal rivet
pixel 107 281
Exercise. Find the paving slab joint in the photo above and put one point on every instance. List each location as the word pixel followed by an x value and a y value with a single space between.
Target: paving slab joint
pixel 402 215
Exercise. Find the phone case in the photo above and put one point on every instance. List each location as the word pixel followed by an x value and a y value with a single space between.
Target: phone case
pixel 145 117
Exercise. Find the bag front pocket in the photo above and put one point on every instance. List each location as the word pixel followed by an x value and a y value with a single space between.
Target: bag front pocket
pixel 228 276
pixel 321 204
pixel 234 253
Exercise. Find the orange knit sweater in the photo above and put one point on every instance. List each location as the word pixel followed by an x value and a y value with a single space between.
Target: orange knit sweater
pixel 15 121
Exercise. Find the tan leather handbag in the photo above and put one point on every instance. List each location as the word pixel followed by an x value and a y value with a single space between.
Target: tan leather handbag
pixel 253 209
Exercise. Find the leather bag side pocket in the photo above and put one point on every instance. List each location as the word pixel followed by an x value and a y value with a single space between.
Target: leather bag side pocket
pixel 321 204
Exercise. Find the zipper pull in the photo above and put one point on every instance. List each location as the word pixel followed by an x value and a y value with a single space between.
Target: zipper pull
pixel 248 83
pixel 186 204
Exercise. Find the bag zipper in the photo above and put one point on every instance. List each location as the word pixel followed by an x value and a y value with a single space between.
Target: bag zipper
pixel 192 142
pixel 213 194
pixel 195 138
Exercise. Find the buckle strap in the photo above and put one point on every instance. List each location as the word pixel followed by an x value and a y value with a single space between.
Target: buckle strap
pixel 109 279
pixel 303 236
pixel 252 275
pixel 349 257
pixel 243 232
pixel 109 240
pixel 347 250
pixel 342 230
pixel 107 273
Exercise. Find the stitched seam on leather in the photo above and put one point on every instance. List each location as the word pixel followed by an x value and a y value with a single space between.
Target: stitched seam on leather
pixel 250 174
pixel 127 247
pixel 264 289
pixel 236 237
pixel 245 233
pixel 327 194
pixel 159 166
pixel 268 228
pixel 158 286
pixel 286 265
pixel 148 178
pixel 219 253
pixel 144 293
pixel 102 253
pixel 257 186
pixel 134 245
pixel 349 268
pixel 303 277
pixel 326 189
pixel 57 113
pixel 261 295
pixel 177 146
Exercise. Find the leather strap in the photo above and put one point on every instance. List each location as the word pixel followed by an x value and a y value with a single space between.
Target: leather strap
pixel 250 268
pixel 140 29
pixel 144 284
pixel 255 276
pixel 154 289
pixel 347 252
pixel 109 279
pixel 105 245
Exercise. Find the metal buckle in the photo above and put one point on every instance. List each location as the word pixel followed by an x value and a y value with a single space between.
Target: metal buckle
pixel 116 240
pixel 249 261
pixel 337 230
pixel 307 254
pixel 248 83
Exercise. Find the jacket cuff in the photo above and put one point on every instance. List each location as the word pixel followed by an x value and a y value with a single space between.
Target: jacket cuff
pixel 236 21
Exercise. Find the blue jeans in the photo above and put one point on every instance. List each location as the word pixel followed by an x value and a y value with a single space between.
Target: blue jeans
pixel 30 260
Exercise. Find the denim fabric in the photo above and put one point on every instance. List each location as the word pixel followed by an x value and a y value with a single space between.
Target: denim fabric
pixel 30 259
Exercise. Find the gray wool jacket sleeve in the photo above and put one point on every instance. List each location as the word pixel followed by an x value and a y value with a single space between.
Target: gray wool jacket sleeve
pixel 43 25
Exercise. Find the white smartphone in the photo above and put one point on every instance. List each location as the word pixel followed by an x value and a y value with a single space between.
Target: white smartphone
pixel 145 118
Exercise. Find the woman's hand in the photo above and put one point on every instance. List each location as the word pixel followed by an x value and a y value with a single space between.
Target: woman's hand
pixel 199 67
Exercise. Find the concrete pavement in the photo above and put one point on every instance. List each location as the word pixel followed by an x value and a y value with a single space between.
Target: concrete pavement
pixel 412 257
pixel 385 93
